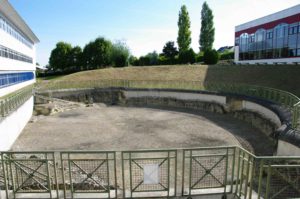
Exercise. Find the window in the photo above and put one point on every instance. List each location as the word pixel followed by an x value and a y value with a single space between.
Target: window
pixel 259 35
pixel 293 29
pixel 252 38
pixel 244 42
pixel 8 79
pixel 280 30
pixel 269 35
pixel 10 29
pixel 11 54
pixel 292 53
pixel 298 52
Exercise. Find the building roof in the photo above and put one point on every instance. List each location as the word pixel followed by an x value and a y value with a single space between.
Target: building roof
pixel 11 14
pixel 270 18
pixel 224 48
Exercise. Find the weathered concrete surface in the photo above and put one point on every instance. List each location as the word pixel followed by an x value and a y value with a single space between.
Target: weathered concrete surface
pixel 257 115
pixel 121 128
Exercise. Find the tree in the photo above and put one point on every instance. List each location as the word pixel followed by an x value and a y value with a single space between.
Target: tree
pixel 144 61
pixel 75 58
pixel 97 54
pixel 211 57
pixel 153 58
pixel 207 33
pixel 184 33
pixel 120 54
pixel 187 56
pixel 59 58
pixel 162 60
pixel 87 61
pixel 170 51
pixel 133 61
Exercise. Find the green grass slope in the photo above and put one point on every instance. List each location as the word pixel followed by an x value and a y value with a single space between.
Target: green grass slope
pixel 284 77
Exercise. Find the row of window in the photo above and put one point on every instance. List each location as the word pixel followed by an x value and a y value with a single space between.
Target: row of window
pixel 9 79
pixel 270 54
pixel 281 42
pixel 11 54
pixel 10 29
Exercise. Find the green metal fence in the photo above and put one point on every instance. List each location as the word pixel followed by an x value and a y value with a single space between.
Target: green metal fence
pixel 11 102
pixel 230 171
pixel 89 174
pixel 29 173
pixel 284 98
pixel 278 177
pixel 171 84
pixel 149 173
pixel 208 170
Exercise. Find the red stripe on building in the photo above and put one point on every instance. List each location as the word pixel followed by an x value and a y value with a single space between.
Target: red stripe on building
pixel 289 20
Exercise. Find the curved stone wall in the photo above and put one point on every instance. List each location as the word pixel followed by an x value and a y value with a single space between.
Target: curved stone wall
pixel 266 116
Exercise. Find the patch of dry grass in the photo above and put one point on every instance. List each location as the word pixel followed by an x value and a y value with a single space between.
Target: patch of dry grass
pixel 182 73
pixel 284 77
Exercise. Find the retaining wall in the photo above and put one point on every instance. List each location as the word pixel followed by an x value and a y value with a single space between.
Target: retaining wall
pixel 266 116
pixel 12 125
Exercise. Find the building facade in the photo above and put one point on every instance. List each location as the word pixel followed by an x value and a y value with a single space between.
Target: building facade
pixel 271 39
pixel 17 74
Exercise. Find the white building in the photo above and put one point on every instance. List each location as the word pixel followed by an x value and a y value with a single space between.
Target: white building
pixel 17 74
pixel 271 39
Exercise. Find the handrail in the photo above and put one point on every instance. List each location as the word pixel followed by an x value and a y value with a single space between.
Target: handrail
pixel 266 177
pixel 11 102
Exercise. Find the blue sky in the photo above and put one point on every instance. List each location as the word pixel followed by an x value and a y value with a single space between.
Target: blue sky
pixel 145 25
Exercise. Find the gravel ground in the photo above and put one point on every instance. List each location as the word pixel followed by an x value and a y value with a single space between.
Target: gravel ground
pixel 122 128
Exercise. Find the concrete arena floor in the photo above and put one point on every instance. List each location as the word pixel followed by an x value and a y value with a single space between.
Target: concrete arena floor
pixel 122 128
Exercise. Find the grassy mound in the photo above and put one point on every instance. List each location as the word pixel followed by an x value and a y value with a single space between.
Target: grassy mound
pixel 284 77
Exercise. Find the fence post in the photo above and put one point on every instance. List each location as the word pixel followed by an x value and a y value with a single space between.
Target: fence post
pixel 1 108
pixel 261 168
pixel 268 181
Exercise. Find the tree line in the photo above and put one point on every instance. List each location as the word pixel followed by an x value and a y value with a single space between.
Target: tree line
pixel 101 53
pixel 184 53
pixel 97 54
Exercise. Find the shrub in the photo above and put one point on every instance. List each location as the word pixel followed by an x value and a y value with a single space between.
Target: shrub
pixel 162 60
pixel 199 57
pixel 188 56
pixel 211 57
pixel 227 56
pixel 133 61
pixel 144 61
pixel 153 58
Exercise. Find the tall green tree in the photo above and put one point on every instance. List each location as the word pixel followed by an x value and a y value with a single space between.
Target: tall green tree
pixel 207 33
pixel 97 54
pixel 184 34
pixel 59 58
pixel 120 54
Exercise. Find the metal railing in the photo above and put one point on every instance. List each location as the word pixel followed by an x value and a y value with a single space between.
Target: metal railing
pixel 167 84
pixel 150 172
pixel 11 102
pixel 284 98
pixel 230 171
